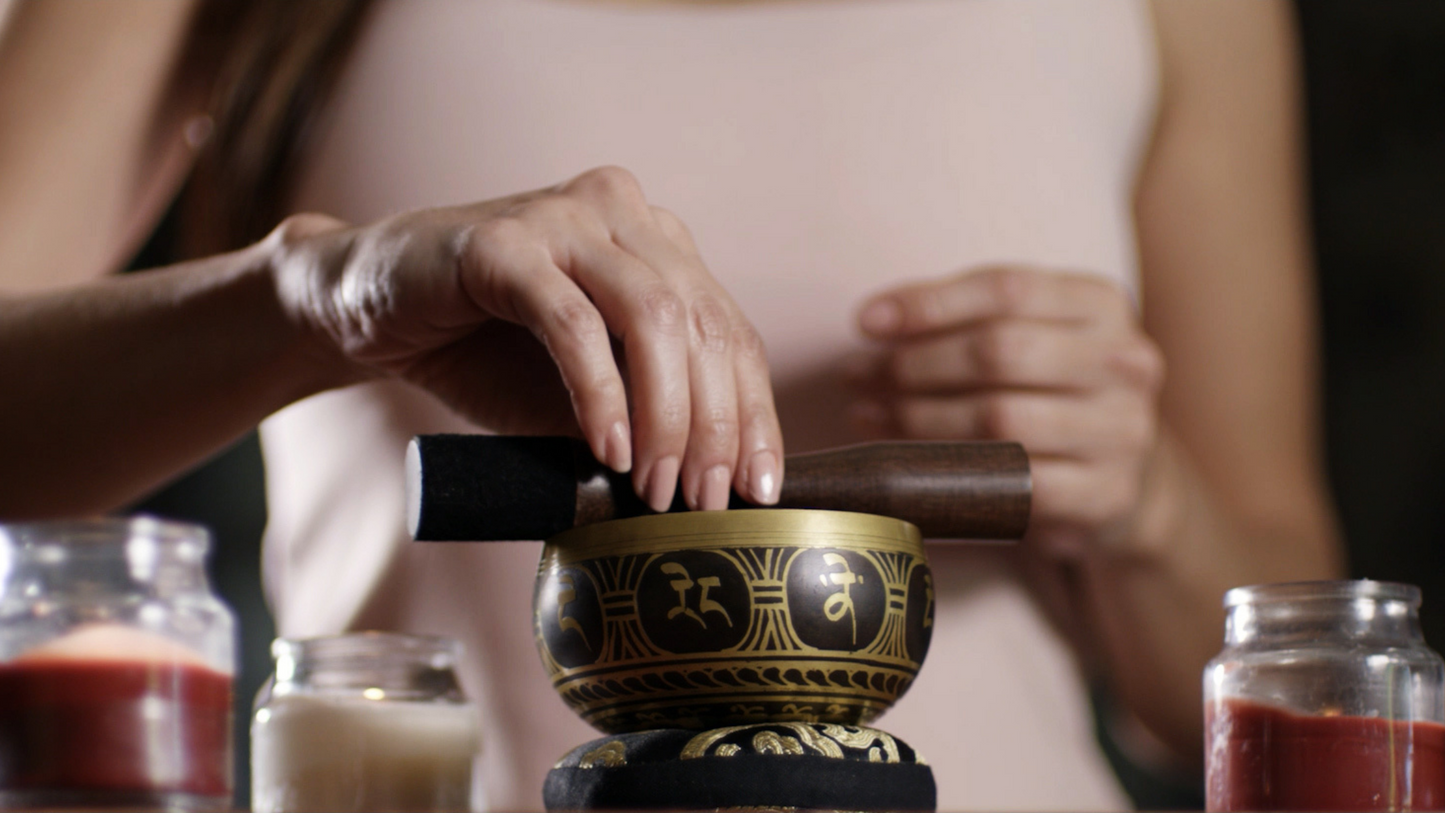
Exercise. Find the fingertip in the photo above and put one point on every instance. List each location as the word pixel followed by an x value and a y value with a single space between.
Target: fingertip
pixel 881 317
pixel 662 483
pixel 765 477
pixel 713 489
pixel 618 446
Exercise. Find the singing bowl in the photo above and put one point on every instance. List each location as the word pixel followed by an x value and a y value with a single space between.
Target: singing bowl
pixel 707 619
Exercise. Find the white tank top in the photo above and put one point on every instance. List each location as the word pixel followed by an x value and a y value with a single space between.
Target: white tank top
pixel 819 151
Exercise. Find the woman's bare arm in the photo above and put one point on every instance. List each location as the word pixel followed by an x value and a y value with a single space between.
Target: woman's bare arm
pixel 113 386
pixel 1236 492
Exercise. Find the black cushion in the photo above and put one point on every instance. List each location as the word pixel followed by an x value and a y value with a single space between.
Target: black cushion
pixel 809 766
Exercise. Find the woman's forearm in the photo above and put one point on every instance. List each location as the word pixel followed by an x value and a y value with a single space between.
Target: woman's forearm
pixel 1156 598
pixel 1233 491
pixel 113 386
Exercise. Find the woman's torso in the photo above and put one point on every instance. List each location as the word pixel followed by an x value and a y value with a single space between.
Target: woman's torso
pixel 819 151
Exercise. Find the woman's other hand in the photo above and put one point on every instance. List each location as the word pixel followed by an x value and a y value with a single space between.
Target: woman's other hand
pixel 469 302
pixel 1056 361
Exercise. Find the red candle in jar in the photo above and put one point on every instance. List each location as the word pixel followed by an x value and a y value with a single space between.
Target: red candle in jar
pixel 1266 758
pixel 124 717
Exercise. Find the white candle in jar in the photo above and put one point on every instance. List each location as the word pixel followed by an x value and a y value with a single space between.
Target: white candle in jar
pixel 338 753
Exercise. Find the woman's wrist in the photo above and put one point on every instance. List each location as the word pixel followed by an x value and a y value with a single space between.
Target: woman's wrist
pixel 302 260
pixel 1164 496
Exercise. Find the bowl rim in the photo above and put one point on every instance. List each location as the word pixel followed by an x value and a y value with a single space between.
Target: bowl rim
pixel 763 527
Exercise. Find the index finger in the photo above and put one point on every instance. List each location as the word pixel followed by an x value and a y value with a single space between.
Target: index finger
pixel 993 293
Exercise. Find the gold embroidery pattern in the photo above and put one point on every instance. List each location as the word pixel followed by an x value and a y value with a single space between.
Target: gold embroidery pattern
pixel 607 755
pixel 831 741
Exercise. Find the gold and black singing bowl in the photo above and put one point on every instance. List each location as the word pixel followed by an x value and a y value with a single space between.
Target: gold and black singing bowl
pixel 706 619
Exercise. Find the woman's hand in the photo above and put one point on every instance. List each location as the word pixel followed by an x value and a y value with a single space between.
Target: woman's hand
pixel 1056 361
pixel 469 302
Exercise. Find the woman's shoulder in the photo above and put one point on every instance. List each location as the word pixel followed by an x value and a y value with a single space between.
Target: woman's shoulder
pixel 82 156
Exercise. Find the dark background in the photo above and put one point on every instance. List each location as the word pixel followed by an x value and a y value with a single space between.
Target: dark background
pixel 1376 91
pixel 1375 83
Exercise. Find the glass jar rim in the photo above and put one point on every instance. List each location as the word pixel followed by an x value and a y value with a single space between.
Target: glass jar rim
pixel 1341 590
pixel 106 529
pixel 367 645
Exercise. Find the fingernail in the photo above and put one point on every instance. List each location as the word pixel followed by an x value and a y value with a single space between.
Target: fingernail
pixel 619 448
pixel 763 477
pixel 662 483
pixel 883 316
pixel 714 489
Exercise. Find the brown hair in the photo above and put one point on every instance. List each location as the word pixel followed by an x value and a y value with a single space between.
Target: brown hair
pixel 266 68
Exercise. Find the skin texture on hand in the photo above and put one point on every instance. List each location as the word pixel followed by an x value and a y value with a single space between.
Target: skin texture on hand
pixel 508 310
pixel 575 309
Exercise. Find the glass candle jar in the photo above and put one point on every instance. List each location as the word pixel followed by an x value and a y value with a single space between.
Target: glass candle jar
pixel 1325 697
pixel 366 721
pixel 116 665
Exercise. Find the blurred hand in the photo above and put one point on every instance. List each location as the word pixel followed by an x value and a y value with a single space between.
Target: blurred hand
pixel 1055 361
pixel 508 310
